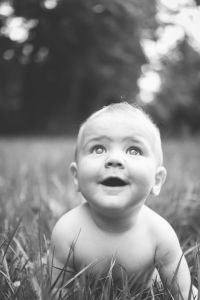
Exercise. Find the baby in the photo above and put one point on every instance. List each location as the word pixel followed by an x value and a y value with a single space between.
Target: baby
pixel 118 164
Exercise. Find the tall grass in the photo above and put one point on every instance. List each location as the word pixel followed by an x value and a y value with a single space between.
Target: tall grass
pixel 36 188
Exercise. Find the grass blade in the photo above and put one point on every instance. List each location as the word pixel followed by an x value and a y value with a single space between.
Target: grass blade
pixel 11 238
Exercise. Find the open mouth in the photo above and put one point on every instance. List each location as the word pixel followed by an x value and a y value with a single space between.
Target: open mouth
pixel 114 182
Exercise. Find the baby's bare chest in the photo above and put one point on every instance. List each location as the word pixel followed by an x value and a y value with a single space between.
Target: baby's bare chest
pixel 134 252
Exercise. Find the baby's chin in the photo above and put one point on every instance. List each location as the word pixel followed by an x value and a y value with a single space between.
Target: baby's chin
pixel 111 208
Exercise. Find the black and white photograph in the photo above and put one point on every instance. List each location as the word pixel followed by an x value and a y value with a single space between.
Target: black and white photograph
pixel 99 149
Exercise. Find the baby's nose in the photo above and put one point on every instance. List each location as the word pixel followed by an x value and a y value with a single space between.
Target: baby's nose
pixel 114 162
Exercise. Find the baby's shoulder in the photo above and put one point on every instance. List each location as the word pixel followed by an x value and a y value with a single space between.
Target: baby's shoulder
pixel 156 223
pixel 161 231
pixel 68 226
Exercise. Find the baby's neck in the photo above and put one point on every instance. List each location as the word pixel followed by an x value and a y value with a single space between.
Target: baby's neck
pixel 116 224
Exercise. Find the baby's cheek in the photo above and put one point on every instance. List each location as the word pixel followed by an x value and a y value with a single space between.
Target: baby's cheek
pixel 145 177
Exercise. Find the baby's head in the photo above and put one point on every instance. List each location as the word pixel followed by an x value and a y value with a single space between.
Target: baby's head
pixel 127 110
pixel 118 160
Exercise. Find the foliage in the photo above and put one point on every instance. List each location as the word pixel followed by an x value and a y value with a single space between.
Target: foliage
pixel 176 108
pixel 22 278
pixel 78 56
pixel 82 54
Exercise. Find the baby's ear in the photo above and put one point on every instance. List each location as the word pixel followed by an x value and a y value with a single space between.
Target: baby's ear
pixel 161 174
pixel 74 171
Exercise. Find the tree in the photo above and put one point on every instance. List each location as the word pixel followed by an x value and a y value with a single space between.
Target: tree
pixel 80 55
pixel 93 56
pixel 177 104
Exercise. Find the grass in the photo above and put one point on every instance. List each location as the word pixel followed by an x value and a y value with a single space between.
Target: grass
pixel 36 188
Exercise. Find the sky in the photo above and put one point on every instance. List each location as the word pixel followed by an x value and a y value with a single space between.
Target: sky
pixel 183 15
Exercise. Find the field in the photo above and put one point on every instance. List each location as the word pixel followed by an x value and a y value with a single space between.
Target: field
pixel 36 188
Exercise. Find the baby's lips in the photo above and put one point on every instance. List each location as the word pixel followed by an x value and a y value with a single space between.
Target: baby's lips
pixel 113 181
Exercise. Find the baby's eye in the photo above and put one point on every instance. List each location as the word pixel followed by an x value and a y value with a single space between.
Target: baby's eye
pixel 98 149
pixel 134 151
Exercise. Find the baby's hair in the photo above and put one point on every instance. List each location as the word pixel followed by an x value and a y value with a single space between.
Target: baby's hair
pixel 118 107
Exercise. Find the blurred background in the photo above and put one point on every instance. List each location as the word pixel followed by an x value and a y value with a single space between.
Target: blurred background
pixel 62 59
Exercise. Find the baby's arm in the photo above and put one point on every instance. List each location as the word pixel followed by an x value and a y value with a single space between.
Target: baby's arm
pixel 169 258
pixel 61 255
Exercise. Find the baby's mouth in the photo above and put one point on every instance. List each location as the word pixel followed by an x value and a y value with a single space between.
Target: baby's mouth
pixel 114 182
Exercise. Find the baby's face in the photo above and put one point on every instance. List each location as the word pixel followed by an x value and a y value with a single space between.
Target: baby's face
pixel 117 164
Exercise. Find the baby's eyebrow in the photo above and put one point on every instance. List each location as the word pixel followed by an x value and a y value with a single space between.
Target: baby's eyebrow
pixel 138 141
pixel 131 139
pixel 94 139
pixel 105 138
pixel 134 140
pixel 97 138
